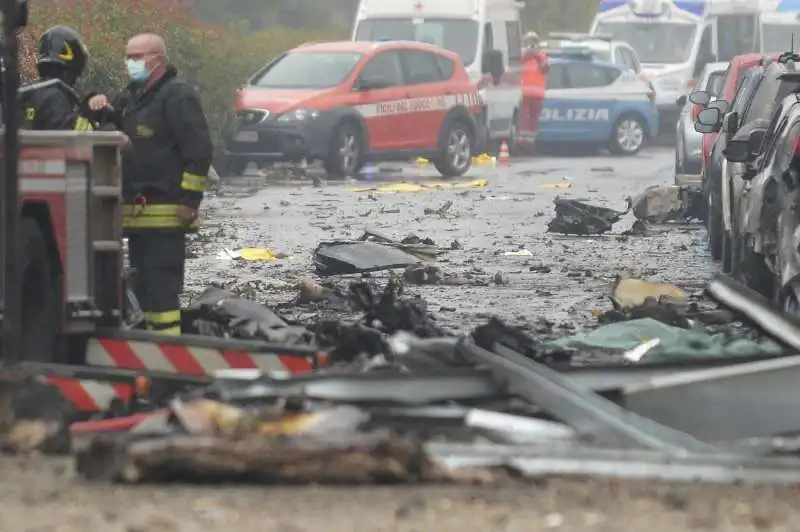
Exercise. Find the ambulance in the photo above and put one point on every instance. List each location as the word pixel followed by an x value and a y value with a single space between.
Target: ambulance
pixel 482 32
pixel 675 39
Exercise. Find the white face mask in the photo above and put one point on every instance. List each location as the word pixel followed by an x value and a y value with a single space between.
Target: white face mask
pixel 137 70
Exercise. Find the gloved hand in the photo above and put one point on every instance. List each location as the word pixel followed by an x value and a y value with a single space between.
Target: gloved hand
pixel 187 215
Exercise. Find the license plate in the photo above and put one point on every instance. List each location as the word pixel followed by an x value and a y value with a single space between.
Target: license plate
pixel 247 136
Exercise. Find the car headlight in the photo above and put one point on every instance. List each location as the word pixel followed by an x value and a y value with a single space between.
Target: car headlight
pixel 299 115
pixel 482 95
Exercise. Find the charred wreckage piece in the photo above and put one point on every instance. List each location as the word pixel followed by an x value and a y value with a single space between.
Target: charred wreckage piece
pixel 398 400
pixel 401 401
pixel 574 217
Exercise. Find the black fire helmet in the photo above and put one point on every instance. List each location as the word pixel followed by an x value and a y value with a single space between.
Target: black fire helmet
pixel 62 46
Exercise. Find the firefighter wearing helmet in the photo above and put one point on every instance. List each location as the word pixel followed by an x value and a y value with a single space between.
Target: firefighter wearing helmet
pixel 53 104
pixel 534 81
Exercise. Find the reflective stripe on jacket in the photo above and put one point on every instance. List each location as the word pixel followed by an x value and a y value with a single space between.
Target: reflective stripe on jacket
pixel 171 150
pixel 159 216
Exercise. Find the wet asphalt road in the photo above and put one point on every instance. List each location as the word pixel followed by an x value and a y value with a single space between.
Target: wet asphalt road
pixel 509 214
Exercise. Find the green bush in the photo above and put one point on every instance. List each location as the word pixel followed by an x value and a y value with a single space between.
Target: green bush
pixel 215 59
pixel 544 16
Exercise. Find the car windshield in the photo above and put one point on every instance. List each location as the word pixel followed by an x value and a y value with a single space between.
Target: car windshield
pixel 779 37
pixel 771 92
pixel 309 70
pixel 662 43
pixel 577 50
pixel 457 35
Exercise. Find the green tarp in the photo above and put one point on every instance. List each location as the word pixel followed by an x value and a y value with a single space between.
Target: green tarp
pixel 674 343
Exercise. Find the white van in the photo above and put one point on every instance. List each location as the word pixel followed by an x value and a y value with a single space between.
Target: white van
pixel 470 28
pixel 675 39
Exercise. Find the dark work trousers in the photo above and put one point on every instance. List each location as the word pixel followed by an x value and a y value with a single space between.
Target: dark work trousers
pixel 157 258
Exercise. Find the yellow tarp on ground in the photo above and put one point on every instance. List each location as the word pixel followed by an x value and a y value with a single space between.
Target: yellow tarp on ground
pixel 249 254
pixel 257 254
pixel 394 188
pixel 483 159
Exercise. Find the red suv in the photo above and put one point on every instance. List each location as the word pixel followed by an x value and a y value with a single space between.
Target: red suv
pixel 730 84
pixel 346 103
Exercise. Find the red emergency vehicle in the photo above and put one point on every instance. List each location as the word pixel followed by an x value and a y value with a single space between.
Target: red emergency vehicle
pixel 347 103
pixel 70 321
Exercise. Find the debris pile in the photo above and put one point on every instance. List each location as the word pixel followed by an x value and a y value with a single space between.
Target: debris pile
pixel 221 313
pixel 574 217
pixel 659 204
pixel 374 251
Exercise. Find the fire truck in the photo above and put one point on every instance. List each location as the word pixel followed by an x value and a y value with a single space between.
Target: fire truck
pixel 63 295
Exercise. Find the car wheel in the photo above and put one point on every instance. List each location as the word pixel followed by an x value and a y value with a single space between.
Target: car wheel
pixel 454 156
pixel 345 155
pixel 678 160
pixel 755 273
pixel 726 253
pixel 714 224
pixel 627 136
pixel 789 302
pixel 735 242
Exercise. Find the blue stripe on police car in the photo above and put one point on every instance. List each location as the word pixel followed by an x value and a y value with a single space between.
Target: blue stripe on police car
pixel 593 114
pixel 578 114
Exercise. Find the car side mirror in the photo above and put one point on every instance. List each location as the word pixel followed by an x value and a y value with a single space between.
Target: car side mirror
pixel 755 140
pixel 701 98
pixel 730 124
pixel 745 146
pixel 722 105
pixel 371 84
pixel 681 101
pixel 708 121
pixel 493 65
pixel 705 128
pixel 737 150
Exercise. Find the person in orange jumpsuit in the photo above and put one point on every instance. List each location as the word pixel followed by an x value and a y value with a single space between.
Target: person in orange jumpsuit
pixel 534 82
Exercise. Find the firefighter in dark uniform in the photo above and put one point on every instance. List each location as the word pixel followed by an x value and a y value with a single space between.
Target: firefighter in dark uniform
pixel 53 104
pixel 164 173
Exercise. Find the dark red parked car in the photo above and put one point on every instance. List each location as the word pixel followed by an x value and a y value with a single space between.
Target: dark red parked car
pixel 730 84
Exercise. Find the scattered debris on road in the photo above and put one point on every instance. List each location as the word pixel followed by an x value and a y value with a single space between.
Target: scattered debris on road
pixel 628 293
pixel 336 258
pixel 259 254
pixel 223 314
pixel 575 217
pixel 674 343
pixel 396 188
pixel 659 204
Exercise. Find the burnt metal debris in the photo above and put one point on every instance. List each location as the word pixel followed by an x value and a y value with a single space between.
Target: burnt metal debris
pixel 402 401
pixel 575 217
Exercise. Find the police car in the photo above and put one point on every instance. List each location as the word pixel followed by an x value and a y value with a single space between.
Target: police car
pixel 595 47
pixel 346 103
pixel 597 103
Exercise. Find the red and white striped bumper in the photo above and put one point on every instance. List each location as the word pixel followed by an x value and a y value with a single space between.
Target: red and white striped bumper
pixel 185 355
